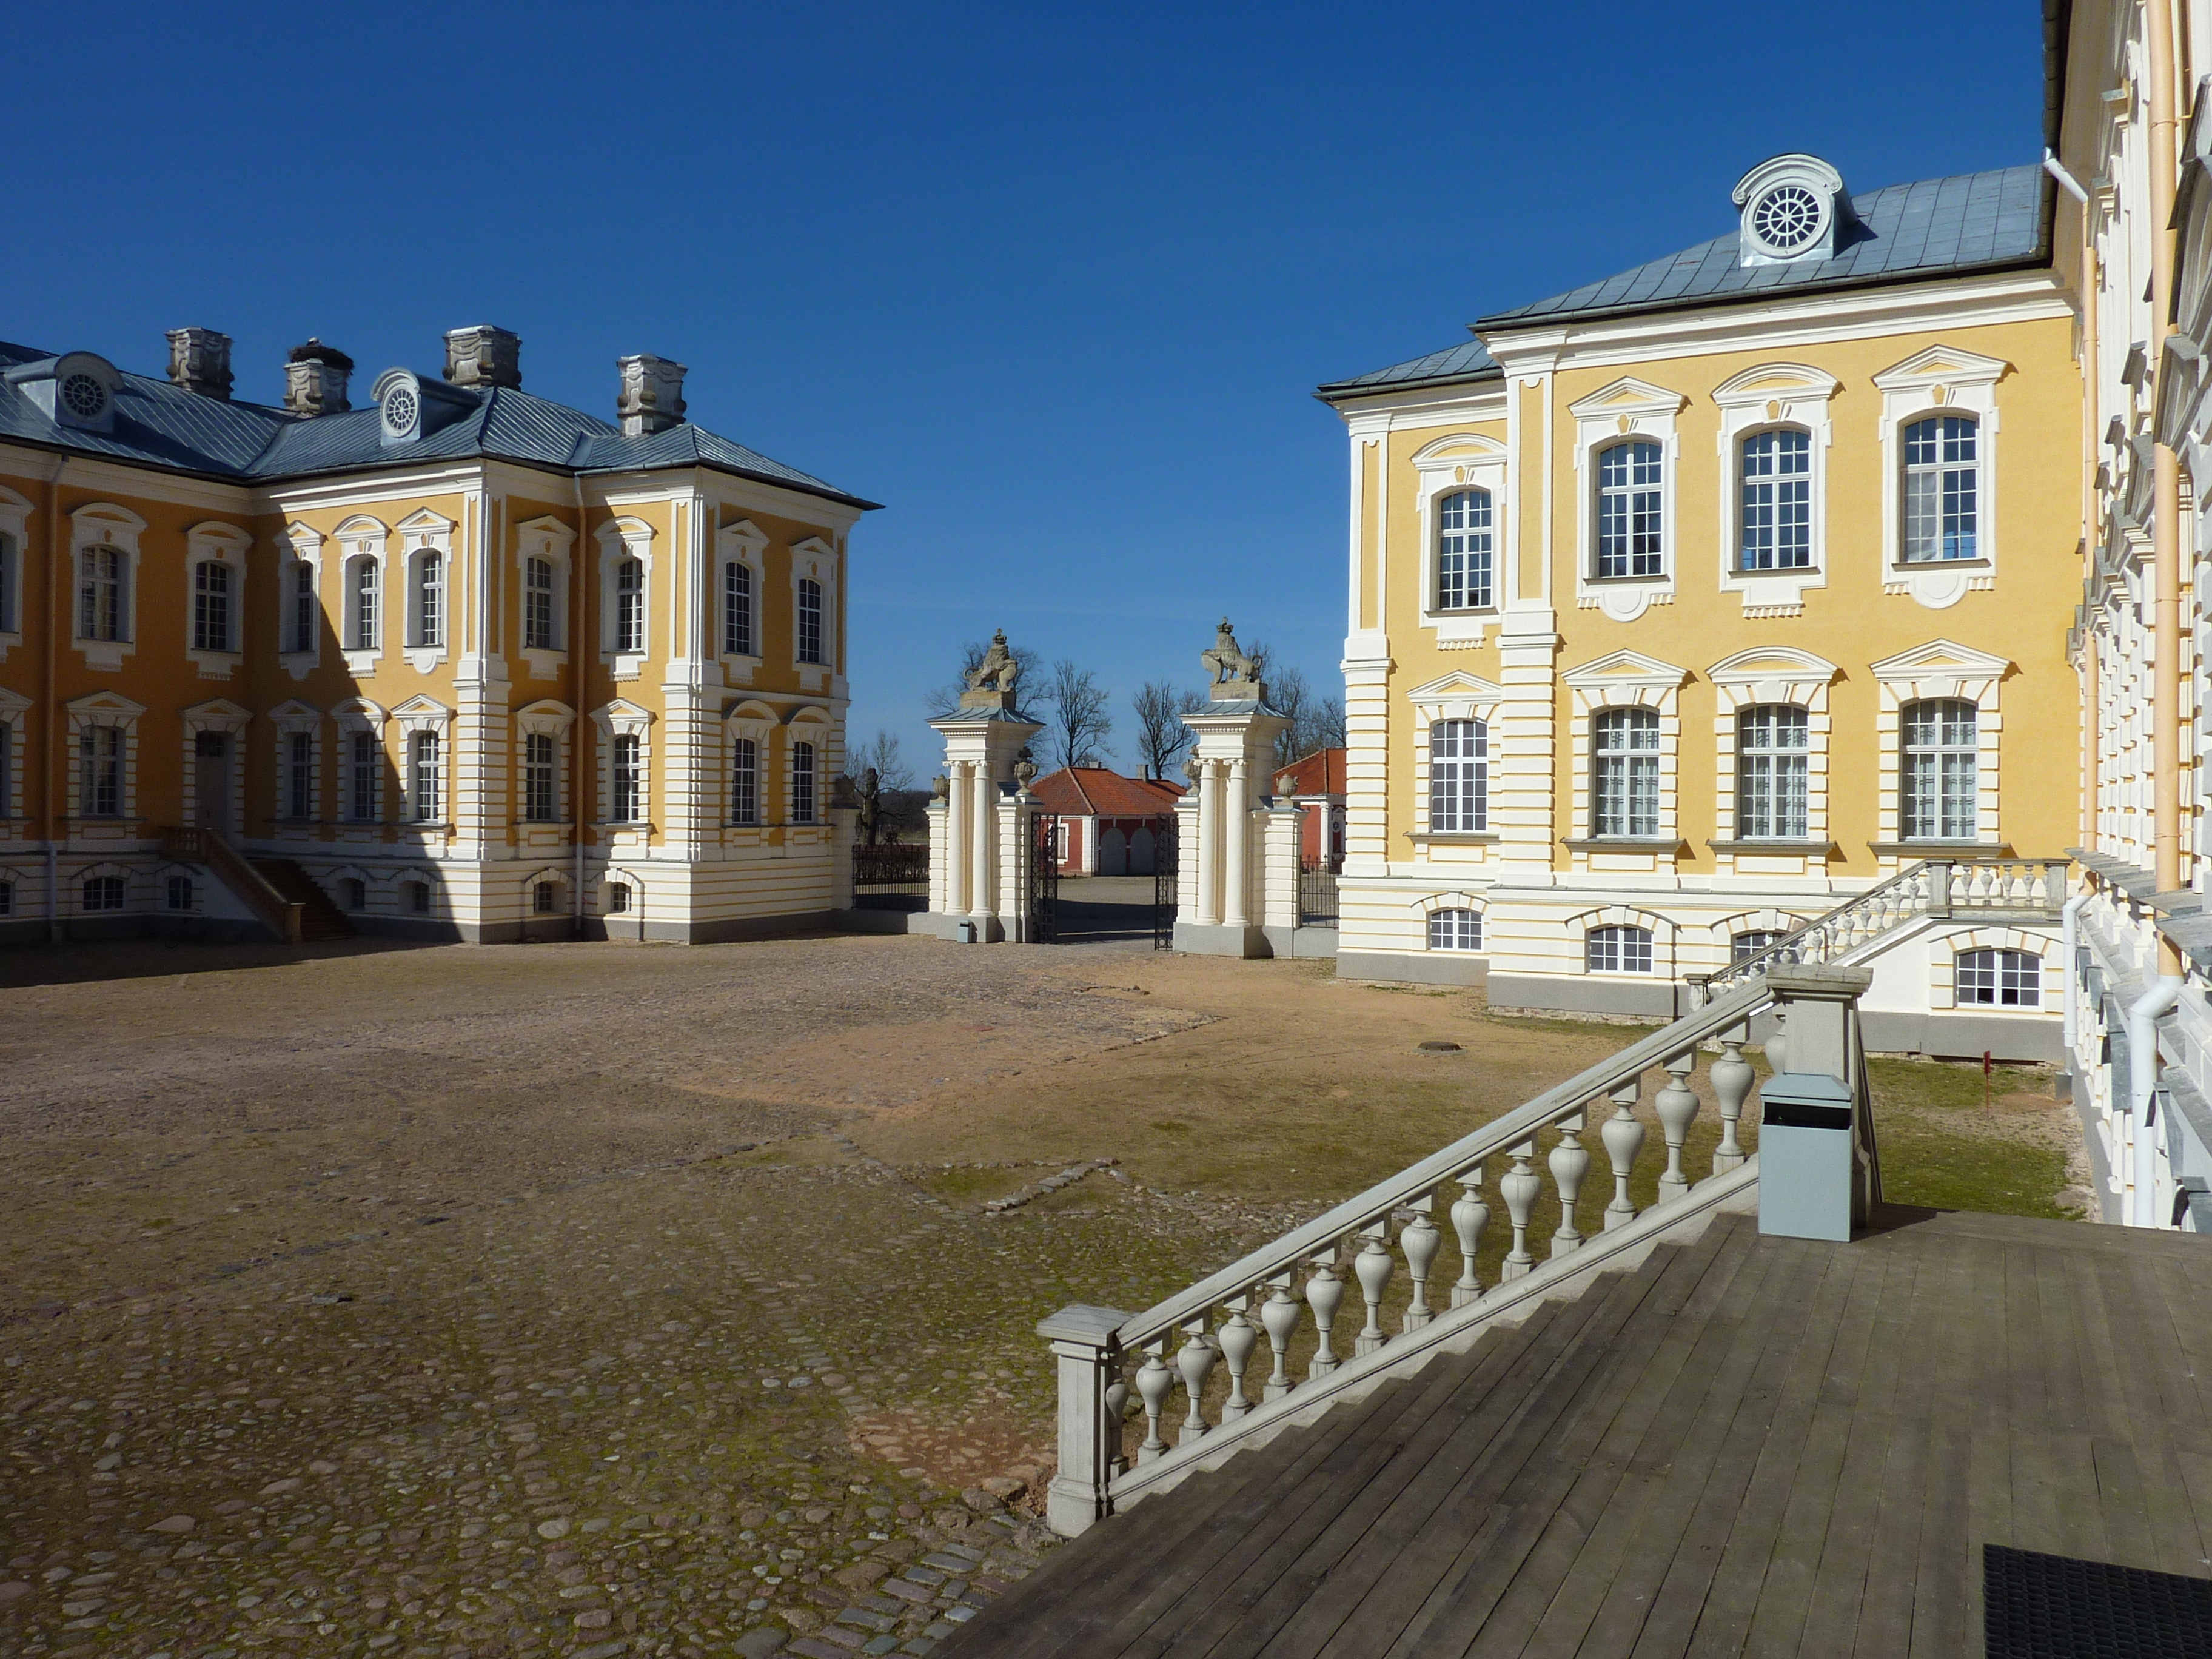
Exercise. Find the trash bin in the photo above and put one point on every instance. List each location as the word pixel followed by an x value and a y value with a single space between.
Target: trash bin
pixel 1805 1139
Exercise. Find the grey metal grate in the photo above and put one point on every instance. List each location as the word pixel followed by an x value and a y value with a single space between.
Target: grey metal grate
pixel 2052 1606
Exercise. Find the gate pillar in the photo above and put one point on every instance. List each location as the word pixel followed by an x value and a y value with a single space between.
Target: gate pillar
pixel 977 848
pixel 1223 903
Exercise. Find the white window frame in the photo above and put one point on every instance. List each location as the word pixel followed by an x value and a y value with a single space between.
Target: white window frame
pixel 1436 904
pixel 1626 679
pixel 1942 379
pixel 360 718
pixel 1444 466
pixel 14 540
pixel 300 548
pixel 104 708
pixel 758 722
pixel 104 525
pixel 620 539
pixel 224 545
pixel 1594 924
pixel 1625 411
pixel 1763 399
pixel 816 558
pixel 1940 670
pixel 417 715
pixel 421 534
pixel 812 725
pixel 362 541
pixel 15 716
pixel 1943 954
pixel 742 542
pixel 1453 697
pixel 622 718
pixel 556 722
pixel 549 539
pixel 1768 674
pixel 294 720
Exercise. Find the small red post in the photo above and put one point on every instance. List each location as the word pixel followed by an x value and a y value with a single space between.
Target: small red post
pixel 1986 1080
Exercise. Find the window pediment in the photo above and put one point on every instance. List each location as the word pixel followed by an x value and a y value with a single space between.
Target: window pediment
pixel 1628 396
pixel 1782 382
pixel 112 703
pixel 1940 364
pixel 1627 669
pixel 1457 697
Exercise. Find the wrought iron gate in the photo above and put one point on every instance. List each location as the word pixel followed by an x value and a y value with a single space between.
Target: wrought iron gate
pixel 1044 879
pixel 1163 883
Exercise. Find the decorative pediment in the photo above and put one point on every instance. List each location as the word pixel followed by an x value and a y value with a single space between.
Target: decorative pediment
pixel 1783 381
pixel 1628 396
pixel 1456 447
pixel 743 532
pixel 623 715
pixel 106 703
pixel 420 707
pixel 213 532
pixel 1772 662
pixel 547 528
pixel 810 715
pixel 1456 688
pixel 362 526
pixel 302 538
pixel 13 702
pixel 814 546
pixel 1941 365
pixel 293 709
pixel 105 516
pixel 359 714
pixel 1626 668
pixel 750 712
pixel 1941 657
pixel 546 716
pixel 422 520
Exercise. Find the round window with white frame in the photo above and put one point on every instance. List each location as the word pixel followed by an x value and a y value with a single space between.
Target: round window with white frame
pixel 84 397
pixel 399 410
pixel 1788 217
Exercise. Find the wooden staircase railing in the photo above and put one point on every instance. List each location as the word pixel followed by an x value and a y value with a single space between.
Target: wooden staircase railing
pixel 198 844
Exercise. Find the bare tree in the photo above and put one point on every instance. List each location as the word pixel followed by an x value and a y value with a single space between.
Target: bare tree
pixel 1077 723
pixel 1315 721
pixel 1162 737
pixel 942 700
pixel 881 752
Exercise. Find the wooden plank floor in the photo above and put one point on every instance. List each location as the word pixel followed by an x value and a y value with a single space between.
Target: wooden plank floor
pixel 1749 1445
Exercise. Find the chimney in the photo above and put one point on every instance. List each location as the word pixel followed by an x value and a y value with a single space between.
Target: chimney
pixel 652 397
pixel 484 355
pixel 199 361
pixel 315 378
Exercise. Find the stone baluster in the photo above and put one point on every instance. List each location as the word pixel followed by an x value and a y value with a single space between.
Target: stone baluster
pixel 1518 1187
pixel 1469 1217
pixel 1324 1293
pixel 1677 1105
pixel 1196 1362
pixel 1777 1044
pixel 1279 1314
pixel 1237 1338
pixel 1570 1163
pixel 1154 1381
pixel 1420 1241
pixel 1117 1411
pixel 1732 1078
pixel 1374 1265
pixel 1622 1136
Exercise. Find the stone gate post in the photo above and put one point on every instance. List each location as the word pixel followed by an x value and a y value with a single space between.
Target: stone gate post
pixel 1225 905
pixel 971 844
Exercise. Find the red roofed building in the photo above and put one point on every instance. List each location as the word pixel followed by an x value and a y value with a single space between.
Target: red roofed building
pixel 1314 783
pixel 1107 822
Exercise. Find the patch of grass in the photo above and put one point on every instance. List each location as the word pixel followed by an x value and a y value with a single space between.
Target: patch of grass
pixel 1942 1148
pixel 1169 1126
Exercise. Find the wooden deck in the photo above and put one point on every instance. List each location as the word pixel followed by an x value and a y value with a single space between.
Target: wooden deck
pixel 1749 1445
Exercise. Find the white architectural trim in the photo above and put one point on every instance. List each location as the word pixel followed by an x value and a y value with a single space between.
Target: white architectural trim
pixel 423 532
pixel 813 558
pixel 740 542
pixel 1772 395
pixel 362 541
pixel 1748 679
pixel 1939 380
pixel 1460 460
pixel 1627 408
pixel 549 539
pixel 300 546
pixel 224 544
pixel 1940 669
pixel 1626 679
pixel 15 714
pixel 103 708
pixel 1944 950
pixel 619 719
pixel 14 519
pixel 103 524
pixel 619 539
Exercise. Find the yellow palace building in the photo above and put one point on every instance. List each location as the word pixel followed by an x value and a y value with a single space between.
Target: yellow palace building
pixel 461 663
pixel 1686 605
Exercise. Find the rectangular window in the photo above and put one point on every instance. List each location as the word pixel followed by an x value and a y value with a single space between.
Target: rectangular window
pixel 1941 796
pixel 103 893
pixel 802 783
pixel 1998 979
pixel 1777 531
pixel 1455 930
pixel 7 771
pixel 306 615
pixel 1941 493
pixel 538 776
pixel 428 781
pixel 99 793
pixel 630 785
pixel 299 775
pixel 1630 510
pixel 365 763
pixel 545 899
pixel 737 609
pixel 180 892
pixel 211 606
pixel 1624 757
pixel 1459 777
pixel 537 632
pixel 629 606
pixel 7 898
pixel 1618 950
pixel 1743 946
pixel 7 575
pixel 1463 550
pixel 744 781
pixel 102 613
pixel 362 620
pixel 430 598
pixel 810 620
pixel 1770 745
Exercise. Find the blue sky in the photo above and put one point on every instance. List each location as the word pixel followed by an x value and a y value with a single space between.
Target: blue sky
pixel 1054 284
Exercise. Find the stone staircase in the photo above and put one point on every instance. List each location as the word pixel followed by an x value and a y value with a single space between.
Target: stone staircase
pixel 320 919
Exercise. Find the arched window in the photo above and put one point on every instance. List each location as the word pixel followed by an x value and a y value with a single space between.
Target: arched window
pixel 418 898
pixel 1998 979
pixel 103 610
pixel 1618 950
pixel 629 606
pixel 365 778
pixel 630 785
pixel 737 609
pixel 810 620
pixel 100 754
pixel 538 802
pixel 362 605
pixel 1771 745
pixel 429 598
pixel 1941 488
pixel 1775 529
pixel 1743 946
pixel 306 615
pixel 802 783
pixel 537 612
pixel 546 899
pixel 1463 550
pixel 745 781
pixel 353 893
pixel 1940 799
pixel 618 897
pixel 1625 764
pixel 299 775
pixel 7 898
pixel 1455 930
pixel 103 892
pixel 1459 777
pixel 210 605
pixel 180 893
pixel 1631 482
pixel 429 776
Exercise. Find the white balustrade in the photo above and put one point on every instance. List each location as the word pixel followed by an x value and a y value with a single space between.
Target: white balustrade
pixel 1622 1136
pixel 1469 1217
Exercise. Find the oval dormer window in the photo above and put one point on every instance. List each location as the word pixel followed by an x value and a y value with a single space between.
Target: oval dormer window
pixel 83 396
pixel 1787 217
pixel 399 411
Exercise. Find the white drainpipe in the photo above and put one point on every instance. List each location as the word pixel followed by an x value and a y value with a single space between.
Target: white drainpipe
pixel 2071 918
pixel 2143 1086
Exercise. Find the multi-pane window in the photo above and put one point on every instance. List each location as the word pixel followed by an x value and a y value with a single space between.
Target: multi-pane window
pixel 362 601
pixel 545 899
pixel 1463 550
pixel 538 778
pixel 180 893
pixel 737 609
pixel 9 572
pixel 1998 979
pixel 630 786
pixel 430 598
pixel 426 781
pixel 306 615
pixel 1771 744
pixel 537 632
pixel 1455 930
pixel 1776 532
pixel 1618 950
pixel 1940 799
pixel 353 893
pixel 1630 487
pixel 745 781
pixel 418 898
pixel 299 774
pixel 101 611
pixel 7 771
pixel 365 773
pixel 1743 946
pixel 1624 765
pixel 1941 488
pixel 629 606
pixel 210 605
pixel 1459 777
pixel 7 898
pixel 810 620
pixel 802 783
pixel 618 897
pixel 103 892
pixel 99 786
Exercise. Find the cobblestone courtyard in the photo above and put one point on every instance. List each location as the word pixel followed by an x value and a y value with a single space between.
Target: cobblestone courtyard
pixel 600 1299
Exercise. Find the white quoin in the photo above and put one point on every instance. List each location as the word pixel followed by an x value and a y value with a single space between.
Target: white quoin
pixel 979 830
pixel 1226 902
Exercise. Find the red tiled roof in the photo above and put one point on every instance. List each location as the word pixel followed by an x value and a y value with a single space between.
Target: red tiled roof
pixel 1321 773
pixel 1095 792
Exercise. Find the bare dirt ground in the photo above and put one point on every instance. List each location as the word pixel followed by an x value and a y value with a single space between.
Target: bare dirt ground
pixel 599 1300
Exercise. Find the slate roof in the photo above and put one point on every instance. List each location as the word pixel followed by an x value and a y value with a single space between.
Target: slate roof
pixel 159 424
pixel 1935 227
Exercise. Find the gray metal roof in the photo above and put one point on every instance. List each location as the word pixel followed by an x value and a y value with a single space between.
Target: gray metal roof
pixel 1906 232
pixel 159 424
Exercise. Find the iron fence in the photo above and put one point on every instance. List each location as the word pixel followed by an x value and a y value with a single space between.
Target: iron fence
pixel 1316 894
pixel 895 877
